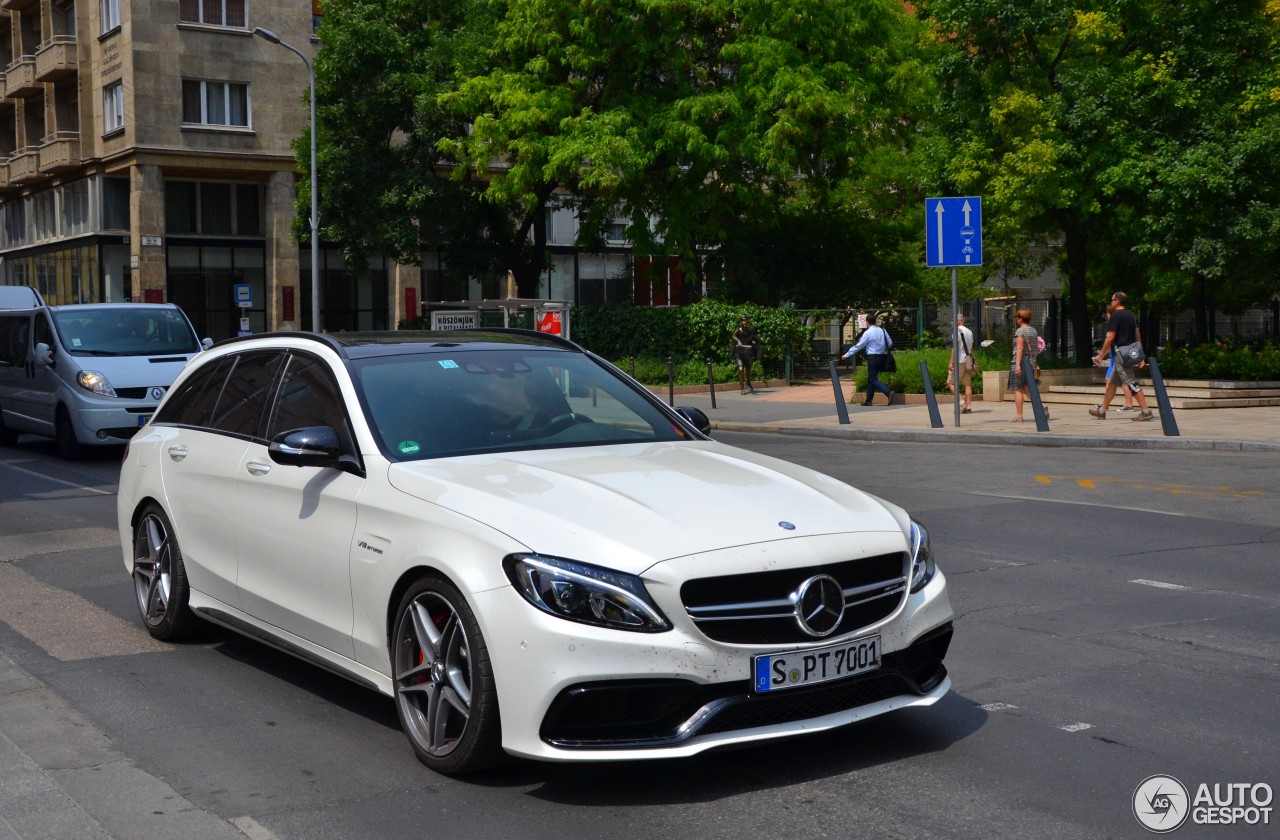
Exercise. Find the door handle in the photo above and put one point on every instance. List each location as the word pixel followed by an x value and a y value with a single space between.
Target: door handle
pixel 257 468
pixel 177 453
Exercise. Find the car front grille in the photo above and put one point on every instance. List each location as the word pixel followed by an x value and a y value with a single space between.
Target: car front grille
pixel 133 393
pixel 665 712
pixel 759 608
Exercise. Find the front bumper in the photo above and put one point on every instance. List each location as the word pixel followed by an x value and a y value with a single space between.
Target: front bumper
pixel 572 692
pixel 116 423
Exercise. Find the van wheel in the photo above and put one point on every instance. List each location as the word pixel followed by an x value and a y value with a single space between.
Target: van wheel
pixel 65 433
pixel 8 437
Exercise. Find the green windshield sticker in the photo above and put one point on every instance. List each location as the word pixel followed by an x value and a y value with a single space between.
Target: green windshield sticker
pixel 447 363
pixel 408 447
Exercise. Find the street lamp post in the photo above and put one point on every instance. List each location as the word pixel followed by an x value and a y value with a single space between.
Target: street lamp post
pixel 268 35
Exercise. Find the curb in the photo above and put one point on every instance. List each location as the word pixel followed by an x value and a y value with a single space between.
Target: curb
pixel 993 439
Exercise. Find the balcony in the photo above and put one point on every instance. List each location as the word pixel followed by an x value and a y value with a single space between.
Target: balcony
pixel 20 78
pixel 18 5
pixel 56 59
pixel 59 152
pixel 4 174
pixel 24 165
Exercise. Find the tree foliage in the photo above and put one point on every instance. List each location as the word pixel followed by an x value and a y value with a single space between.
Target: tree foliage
pixel 1073 120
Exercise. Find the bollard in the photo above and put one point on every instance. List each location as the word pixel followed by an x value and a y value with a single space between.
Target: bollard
pixel 711 381
pixel 1167 422
pixel 935 416
pixel 1042 419
pixel 671 381
pixel 842 410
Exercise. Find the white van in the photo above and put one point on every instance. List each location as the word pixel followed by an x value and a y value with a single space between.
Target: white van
pixel 88 374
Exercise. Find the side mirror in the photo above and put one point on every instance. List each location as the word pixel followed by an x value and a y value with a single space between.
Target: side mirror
pixel 314 446
pixel 206 343
pixel 696 417
pixel 44 356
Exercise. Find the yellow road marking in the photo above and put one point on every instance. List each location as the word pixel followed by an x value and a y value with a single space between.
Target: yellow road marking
pixel 1214 492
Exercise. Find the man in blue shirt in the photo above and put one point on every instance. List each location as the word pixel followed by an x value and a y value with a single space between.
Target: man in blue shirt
pixel 877 344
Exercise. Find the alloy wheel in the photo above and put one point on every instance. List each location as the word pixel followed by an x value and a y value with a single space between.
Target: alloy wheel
pixel 434 674
pixel 153 568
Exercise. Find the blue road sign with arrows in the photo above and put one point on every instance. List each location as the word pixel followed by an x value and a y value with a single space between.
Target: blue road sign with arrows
pixel 953 231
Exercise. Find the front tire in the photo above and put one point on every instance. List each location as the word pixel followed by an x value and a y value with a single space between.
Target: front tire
pixel 69 448
pixel 159 577
pixel 446 696
pixel 8 437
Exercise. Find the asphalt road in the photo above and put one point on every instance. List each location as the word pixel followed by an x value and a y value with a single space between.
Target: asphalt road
pixel 1118 617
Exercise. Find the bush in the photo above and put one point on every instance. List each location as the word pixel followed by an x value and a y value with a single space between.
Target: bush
pixel 1241 362
pixel 697 332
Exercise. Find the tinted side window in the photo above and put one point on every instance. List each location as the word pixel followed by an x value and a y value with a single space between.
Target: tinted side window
pixel 308 396
pixel 44 333
pixel 245 397
pixel 193 403
pixel 13 340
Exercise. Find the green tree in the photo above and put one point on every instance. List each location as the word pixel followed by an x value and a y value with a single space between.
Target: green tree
pixel 710 125
pixel 385 188
pixel 1057 114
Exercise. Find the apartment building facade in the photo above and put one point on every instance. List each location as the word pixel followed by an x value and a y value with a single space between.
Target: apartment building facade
pixel 146 154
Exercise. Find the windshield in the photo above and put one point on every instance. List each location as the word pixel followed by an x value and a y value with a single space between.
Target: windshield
pixel 456 401
pixel 125 331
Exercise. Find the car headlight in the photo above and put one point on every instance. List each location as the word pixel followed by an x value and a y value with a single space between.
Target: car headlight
pixel 588 594
pixel 922 565
pixel 93 381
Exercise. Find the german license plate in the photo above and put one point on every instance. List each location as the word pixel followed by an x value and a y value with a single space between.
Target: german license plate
pixel 778 671
pixel 142 420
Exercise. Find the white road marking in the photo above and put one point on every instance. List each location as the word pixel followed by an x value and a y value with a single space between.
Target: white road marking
pixel 997 707
pixel 252 829
pixel 11 465
pixel 1076 727
pixel 1160 584
pixel 63 624
pixel 1073 502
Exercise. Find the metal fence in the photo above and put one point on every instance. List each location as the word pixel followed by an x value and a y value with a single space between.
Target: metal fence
pixel 992 319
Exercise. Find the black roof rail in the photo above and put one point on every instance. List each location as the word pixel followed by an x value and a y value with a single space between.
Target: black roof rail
pixel 335 340
pixel 323 338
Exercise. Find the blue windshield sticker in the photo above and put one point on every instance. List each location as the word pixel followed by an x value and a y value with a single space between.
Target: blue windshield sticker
pixel 448 364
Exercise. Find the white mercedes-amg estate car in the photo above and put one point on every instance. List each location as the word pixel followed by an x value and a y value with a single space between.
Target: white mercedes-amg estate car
pixel 528 551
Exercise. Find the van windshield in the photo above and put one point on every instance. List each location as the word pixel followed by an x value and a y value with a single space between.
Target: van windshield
pixel 124 331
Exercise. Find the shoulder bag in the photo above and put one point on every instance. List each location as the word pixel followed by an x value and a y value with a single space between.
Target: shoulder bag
pixel 1130 354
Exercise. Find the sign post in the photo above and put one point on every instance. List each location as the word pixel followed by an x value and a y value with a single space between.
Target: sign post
pixel 953 238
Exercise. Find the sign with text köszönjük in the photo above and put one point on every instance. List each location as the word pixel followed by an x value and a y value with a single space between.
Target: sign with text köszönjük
pixel 953 232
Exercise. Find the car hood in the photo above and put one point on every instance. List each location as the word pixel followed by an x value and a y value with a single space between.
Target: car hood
pixel 630 506
pixel 137 371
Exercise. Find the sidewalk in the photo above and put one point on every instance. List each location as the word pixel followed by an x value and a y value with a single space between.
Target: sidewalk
pixel 810 409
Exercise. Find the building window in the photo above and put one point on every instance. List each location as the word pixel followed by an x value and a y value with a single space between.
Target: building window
pixel 215 103
pixel 212 208
pixel 110 12
pixel 112 107
pixel 212 12
pixel 115 203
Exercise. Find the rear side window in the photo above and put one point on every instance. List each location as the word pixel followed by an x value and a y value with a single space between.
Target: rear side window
pixel 194 401
pixel 13 340
pixel 244 399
